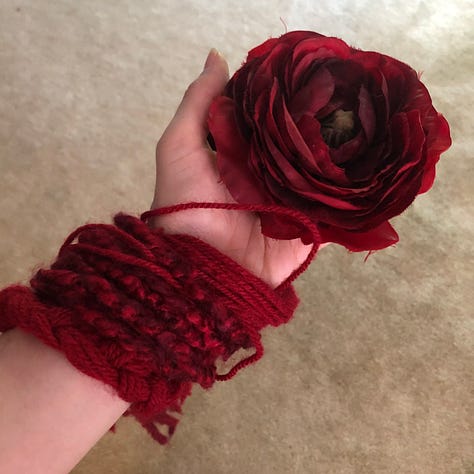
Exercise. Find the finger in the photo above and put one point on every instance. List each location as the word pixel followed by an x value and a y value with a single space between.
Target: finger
pixel 188 128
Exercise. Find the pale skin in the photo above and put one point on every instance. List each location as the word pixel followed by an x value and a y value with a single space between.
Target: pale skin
pixel 50 413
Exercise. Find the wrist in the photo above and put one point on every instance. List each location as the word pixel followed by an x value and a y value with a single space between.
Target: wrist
pixel 43 396
pixel 213 227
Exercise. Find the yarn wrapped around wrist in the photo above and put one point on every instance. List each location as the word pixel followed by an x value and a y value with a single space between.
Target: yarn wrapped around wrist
pixel 151 313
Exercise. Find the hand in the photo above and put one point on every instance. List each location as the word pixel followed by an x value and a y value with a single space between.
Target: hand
pixel 186 171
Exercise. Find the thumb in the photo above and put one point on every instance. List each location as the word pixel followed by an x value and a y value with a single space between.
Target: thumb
pixel 188 128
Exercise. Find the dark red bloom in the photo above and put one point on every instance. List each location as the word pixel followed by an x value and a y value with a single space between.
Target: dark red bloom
pixel 349 137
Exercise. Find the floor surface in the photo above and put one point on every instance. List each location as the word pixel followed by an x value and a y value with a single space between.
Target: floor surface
pixel 374 374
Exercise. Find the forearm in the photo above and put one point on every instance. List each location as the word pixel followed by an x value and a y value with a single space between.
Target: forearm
pixel 50 413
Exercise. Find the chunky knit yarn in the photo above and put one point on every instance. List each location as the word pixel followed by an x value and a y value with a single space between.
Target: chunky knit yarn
pixel 151 313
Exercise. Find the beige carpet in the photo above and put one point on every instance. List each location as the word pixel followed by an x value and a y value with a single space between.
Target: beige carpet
pixel 374 374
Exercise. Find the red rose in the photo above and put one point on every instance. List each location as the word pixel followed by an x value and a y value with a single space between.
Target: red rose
pixel 349 137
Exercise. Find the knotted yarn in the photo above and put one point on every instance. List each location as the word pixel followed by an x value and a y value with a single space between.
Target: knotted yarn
pixel 151 313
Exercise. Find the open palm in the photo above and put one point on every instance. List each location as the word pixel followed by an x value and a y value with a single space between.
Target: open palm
pixel 186 171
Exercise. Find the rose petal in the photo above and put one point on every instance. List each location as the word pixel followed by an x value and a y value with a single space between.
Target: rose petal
pixel 284 228
pixel 393 190
pixel 278 146
pixel 348 76
pixel 361 171
pixel 319 160
pixel 440 144
pixel 376 86
pixel 405 183
pixel 397 85
pixel 262 49
pixel 279 121
pixel 264 74
pixel 298 184
pixel 282 167
pixel 366 114
pixel 313 96
pixel 232 153
pixel 294 139
pixel 319 48
pixel 349 150
pixel 375 239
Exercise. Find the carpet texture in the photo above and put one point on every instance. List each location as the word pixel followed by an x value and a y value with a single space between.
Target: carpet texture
pixel 374 374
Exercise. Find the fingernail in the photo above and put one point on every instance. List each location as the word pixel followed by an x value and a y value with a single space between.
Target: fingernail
pixel 211 57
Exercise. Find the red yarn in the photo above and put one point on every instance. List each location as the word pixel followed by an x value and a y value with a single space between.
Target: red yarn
pixel 150 313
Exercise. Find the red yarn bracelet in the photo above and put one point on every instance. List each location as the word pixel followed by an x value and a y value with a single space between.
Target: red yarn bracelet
pixel 150 313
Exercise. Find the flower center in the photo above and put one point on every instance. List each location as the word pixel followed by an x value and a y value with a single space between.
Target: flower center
pixel 338 127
